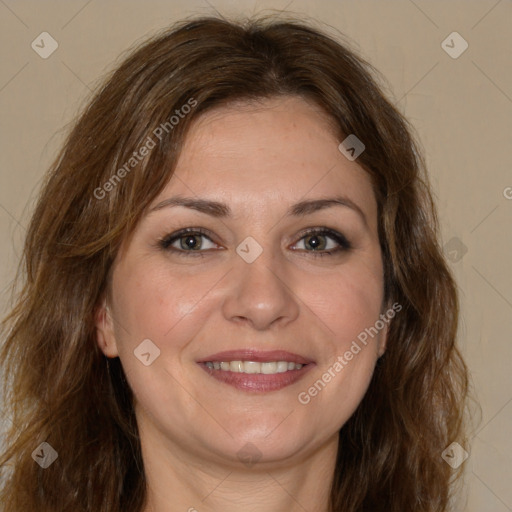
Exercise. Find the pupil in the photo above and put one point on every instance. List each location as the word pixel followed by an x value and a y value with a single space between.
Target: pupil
pixel 314 242
pixel 191 242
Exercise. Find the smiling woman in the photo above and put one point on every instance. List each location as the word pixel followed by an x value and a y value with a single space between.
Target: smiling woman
pixel 256 314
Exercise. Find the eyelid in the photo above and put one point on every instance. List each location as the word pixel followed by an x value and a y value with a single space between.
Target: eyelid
pixel 339 238
pixel 166 242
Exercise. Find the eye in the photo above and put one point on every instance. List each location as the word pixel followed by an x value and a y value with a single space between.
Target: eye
pixel 187 241
pixel 317 241
pixel 324 242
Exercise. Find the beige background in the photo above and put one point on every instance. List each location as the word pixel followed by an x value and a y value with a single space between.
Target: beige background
pixel 462 109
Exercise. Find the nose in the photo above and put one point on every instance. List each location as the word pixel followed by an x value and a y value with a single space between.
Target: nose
pixel 260 294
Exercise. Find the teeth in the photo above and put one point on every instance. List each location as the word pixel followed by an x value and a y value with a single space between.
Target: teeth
pixel 268 368
pixel 282 366
pixel 251 367
pixel 236 366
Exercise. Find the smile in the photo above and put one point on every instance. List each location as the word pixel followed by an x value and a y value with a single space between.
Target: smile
pixel 256 371
pixel 267 368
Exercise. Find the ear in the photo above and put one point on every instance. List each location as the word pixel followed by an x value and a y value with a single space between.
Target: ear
pixel 388 313
pixel 382 343
pixel 105 336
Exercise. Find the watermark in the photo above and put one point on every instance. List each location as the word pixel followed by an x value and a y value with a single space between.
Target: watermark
pixel 147 352
pixel 44 45
pixel 144 150
pixel 507 192
pixel 249 250
pixel 45 455
pixel 455 249
pixel 249 455
pixel 454 45
pixel 304 397
pixel 351 147
pixel 454 455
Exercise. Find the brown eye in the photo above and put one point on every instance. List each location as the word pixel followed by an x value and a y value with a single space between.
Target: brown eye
pixel 323 242
pixel 190 242
pixel 187 241
pixel 316 242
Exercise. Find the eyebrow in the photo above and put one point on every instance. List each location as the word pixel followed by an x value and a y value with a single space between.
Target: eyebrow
pixel 222 210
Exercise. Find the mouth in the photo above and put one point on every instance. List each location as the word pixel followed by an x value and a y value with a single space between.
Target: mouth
pixel 250 370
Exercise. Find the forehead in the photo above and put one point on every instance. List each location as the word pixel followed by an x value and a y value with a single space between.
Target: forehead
pixel 266 156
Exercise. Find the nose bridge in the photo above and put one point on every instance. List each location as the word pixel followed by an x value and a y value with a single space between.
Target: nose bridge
pixel 259 292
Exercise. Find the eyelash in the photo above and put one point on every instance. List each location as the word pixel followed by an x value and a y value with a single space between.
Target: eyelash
pixel 165 242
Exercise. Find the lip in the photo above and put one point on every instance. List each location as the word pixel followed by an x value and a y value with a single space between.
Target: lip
pixel 257 356
pixel 257 382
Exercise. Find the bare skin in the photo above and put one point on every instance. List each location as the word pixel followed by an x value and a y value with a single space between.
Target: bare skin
pixel 259 161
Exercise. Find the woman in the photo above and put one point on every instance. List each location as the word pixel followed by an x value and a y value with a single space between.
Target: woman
pixel 234 295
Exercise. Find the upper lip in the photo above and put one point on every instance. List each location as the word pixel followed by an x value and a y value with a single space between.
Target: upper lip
pixel 257 356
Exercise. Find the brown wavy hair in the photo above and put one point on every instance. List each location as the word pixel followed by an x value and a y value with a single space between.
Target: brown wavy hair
pixel 58 387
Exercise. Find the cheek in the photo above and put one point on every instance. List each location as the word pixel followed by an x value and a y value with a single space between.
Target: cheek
pixel 168 309
pixel 347 302
pixel 152 303
pixel 347 307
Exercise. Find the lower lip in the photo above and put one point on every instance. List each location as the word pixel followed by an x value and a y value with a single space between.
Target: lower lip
pixel 258 382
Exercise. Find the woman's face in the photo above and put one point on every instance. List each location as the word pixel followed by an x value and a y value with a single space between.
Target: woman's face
pixel 256 282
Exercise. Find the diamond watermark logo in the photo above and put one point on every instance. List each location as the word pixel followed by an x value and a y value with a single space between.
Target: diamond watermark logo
pixel 249 250
pixel 249 454
pixel 351 147
pixel 454 45
pixel 455 249
pixel 454 455
pixel 44 45
pixel 45 455
pixel 147 352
